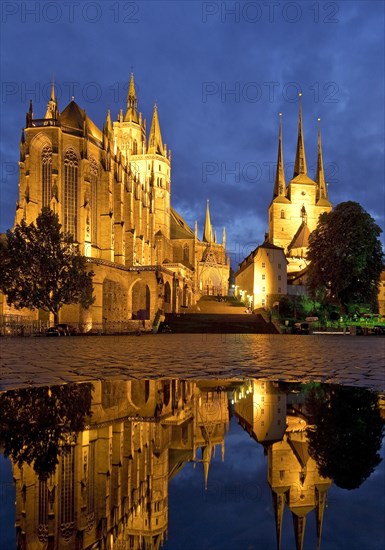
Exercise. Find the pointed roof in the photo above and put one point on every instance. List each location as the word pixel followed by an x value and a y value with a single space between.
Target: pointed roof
pixel 301 238
pixel 179 229
pixel 52 110
pixel 299 530
pixel 131 111
pixel 280 184
pixel 73 117
pixel 322 191
pixel 208 230
pixel 155 143
pixel 320 510
pixel 279 508
pixel 300 166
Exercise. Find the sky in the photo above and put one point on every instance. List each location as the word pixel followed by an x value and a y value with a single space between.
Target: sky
pixel 220 73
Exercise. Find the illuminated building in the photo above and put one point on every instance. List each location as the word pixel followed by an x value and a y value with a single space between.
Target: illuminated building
pixel 111 189
pixel 292 215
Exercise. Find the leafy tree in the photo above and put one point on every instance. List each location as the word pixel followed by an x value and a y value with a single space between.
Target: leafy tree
pixel 37 425
pixel 41 267
pixel 346 257
pixel 346 433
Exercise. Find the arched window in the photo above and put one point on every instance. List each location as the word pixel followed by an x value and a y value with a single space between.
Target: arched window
pixel 186 253
pixel 70 192
pixel 282 214
pixel 135 147
pixel 46 175
pixel 94 199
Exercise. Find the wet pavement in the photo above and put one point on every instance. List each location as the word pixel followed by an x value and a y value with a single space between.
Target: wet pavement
pixel 345 360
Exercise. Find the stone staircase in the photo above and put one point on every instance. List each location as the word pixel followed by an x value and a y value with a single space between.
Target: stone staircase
pixel 211 316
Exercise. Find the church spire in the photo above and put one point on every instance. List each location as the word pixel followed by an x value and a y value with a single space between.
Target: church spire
pixel 300 157
pixel 280 184
pixel 322 192
pixel 320 509
pixel 279 507
pixel 131 112
pixel 299 530
pixel 155 144
pixel 52 110
pixel 208 231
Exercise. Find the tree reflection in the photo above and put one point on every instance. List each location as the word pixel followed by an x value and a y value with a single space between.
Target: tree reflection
pixel 346 433
pixel 38 424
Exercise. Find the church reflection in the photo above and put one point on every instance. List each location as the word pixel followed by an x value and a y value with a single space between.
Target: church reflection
pixel 110 489
pixel 278 421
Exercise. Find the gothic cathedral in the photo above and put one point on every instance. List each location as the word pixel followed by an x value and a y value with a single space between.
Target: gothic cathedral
pixel 111 189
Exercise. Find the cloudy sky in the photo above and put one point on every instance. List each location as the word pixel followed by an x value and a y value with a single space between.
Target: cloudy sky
pixel 220 73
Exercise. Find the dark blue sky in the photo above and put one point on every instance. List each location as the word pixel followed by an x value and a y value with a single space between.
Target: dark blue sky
pixel 220 73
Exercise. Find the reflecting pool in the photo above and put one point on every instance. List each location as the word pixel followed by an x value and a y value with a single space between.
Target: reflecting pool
pixel 203 464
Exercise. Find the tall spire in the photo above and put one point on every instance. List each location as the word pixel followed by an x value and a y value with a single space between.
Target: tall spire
pixel 299 530
pixel 279 507
pixel 320 509
pixel 208 231
pixel 131 112
pixel 280 184
pixel 322 192
pixel 300 157
pixel 155 144
pixel 52 110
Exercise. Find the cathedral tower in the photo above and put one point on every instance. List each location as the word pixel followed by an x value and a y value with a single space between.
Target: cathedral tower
pixel 295 208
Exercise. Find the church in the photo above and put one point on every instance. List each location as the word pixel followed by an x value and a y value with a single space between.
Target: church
pixel 277 267
pixel 111 189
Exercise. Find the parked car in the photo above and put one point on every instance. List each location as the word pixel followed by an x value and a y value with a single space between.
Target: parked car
pixel 66 330
pixel 52 331
pixel 301 328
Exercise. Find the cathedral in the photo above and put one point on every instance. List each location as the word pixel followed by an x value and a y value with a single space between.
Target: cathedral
pixel 111 189
pixel 280 263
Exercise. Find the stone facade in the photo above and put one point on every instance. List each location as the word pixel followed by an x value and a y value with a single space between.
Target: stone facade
pixel 262 277
pixel 111 189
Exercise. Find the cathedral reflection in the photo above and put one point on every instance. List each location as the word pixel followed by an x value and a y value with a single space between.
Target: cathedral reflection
pixel 110 488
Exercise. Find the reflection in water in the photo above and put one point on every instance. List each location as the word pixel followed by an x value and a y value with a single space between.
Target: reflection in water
pixel 110 486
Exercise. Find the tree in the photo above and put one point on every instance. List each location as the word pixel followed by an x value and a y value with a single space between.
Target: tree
pixel 346 433
pixel 346 257
pixel 37 425
pixel 41 267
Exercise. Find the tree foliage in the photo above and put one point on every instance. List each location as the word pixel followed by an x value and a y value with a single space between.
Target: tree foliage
pixel 346 257
pixel 41 267
pixel 346 433
pixel 37 425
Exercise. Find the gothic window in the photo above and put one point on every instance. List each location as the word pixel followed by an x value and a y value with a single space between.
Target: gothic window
pixel 186 253
pixel 263 289
pixel 135 147
pixel 94 200
pixel 70 192
pixel 42 531
pixel 279 277
pixel 282 214
pixel 279 290
pixel 67 496
pixel 263 277
pixel 91 478
pixel 263 264
pixel 279 266
pixel 46 175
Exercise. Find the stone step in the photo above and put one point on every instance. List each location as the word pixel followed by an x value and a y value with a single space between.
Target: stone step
pixel 218 323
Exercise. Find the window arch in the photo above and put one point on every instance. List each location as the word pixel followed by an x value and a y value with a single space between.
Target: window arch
pixel 46 175
pixel 135 147
pixel 71 173
pixel 186 253
pixel 94 199
pixel 282 214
